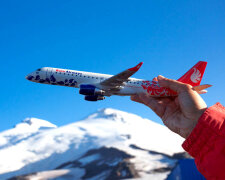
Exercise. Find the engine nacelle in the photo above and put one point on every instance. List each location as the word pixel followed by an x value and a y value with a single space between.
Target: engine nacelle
pixel 94 98
pixel 87 89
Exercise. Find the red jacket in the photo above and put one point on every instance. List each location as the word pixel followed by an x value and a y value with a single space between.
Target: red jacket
pixel 206 143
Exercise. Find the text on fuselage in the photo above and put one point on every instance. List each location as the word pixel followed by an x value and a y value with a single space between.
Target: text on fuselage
pixel 69 72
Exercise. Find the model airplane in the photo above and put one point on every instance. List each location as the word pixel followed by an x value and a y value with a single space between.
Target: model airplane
pixel 96 86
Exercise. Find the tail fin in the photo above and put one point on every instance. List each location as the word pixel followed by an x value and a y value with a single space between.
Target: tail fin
pixel 194 75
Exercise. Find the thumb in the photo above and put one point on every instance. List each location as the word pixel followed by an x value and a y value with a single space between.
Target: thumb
pixel 173 84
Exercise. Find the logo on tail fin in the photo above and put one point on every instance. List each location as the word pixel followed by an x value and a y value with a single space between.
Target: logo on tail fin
pixel 196 76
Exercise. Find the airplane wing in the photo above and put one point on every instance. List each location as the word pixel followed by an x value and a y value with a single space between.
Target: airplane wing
pixel 120 78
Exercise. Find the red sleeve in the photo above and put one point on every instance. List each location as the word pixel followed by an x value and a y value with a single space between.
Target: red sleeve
pixel 206 143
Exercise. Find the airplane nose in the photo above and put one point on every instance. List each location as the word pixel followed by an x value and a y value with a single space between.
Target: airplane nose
pixel 29 77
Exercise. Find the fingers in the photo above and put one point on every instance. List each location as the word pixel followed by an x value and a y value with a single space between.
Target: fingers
pixel 149 101
pixel 156 104
pixel 136 98
pixel 145 99
pixel 189 101
pixel 173 84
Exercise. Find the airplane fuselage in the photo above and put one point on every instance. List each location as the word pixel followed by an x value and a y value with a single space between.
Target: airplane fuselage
pixel 73 78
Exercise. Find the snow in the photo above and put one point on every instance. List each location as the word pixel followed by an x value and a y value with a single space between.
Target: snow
pixel 89 159
pixel 36 145
pixel 23 130
pixel 63 174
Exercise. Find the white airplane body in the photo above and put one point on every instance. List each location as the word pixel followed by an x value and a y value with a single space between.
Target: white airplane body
pixel 96 86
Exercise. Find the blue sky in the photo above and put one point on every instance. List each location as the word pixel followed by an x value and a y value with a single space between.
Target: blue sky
pixel 105 37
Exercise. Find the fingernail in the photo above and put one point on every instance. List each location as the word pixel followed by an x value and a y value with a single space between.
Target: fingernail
pixel 160 77
pixel 155 79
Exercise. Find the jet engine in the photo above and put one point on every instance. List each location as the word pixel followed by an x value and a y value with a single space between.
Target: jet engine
pixel 90 90
pixel 94 98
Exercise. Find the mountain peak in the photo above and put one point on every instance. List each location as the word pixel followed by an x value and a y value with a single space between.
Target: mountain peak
pixel 35 124
pixel 108 113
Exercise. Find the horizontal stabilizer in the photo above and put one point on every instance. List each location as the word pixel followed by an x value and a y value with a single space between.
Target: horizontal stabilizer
pixel 201 87
pixel 202 92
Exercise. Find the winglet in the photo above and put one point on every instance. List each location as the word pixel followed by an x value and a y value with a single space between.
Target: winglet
pixel 136 68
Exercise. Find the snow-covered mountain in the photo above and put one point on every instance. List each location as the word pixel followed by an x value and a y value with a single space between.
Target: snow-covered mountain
pixel 109 144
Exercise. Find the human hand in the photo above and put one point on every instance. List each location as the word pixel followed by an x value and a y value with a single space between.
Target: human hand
pixel 181 113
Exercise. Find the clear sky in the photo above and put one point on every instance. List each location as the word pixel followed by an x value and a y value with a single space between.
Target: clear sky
pixel 169 36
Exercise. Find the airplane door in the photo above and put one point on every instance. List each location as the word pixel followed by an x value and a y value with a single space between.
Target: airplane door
pixel 49 73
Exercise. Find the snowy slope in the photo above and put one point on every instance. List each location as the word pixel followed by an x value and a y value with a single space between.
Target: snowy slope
pixel 37 145
pixel 23 130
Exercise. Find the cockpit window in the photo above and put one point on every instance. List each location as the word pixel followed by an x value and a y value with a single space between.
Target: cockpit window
pixel 38 69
